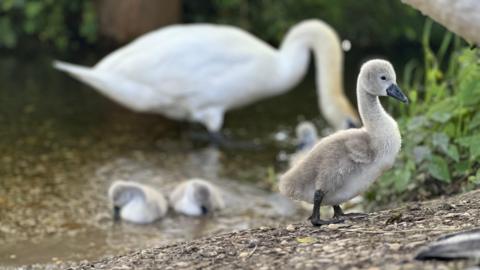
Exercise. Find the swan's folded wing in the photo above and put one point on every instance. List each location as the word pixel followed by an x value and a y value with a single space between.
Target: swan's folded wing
pixel 462 245
pixel 359 149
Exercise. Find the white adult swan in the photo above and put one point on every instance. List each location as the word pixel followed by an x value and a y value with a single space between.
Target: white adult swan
pixel 197 72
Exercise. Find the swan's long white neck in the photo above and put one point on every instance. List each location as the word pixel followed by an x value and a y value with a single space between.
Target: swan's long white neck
pixel 320 38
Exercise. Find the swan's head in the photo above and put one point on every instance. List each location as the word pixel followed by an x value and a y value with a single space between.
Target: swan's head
pixel 378 78
pixel 306 135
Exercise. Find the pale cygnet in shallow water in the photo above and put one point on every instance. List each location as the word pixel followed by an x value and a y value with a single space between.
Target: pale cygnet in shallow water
pixel 306 138
pixel 306 135
pixel 196 197
pixel 136 203
pixel 462 245
pixel 344 164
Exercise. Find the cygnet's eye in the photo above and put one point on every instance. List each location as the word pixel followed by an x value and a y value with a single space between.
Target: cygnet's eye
pixel 383 78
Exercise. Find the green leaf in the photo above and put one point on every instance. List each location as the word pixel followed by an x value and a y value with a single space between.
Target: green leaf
pixel 462 167
pixel 33 9
pixel 306 240
pixel 402 179
pixel 452 152
pixel 440 140
pixel 475 122
pixel 473 144
pixel 441 117
pixel 438 168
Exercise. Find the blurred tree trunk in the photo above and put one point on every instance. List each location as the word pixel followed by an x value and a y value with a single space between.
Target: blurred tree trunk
pixel 123 20
pixel 459 16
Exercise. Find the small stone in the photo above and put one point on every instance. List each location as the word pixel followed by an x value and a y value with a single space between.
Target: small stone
pixel 182 264
pixel 291 228
pixel 333 226
pixel 284 242
pixel 13 256
pixel 252 243
pixel 395 246
pixel 243 254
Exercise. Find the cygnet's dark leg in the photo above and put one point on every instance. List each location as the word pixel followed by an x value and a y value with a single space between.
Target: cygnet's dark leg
pixel 338 213
pixel 116 213
pixel 315 217
pixel 218 139
pixel 204 210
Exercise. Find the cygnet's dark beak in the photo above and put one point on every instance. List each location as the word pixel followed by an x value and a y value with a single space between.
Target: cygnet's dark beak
pixel 300 146
pixel 394 91
pixel 351 124
pixel 204 210
pixel 116 213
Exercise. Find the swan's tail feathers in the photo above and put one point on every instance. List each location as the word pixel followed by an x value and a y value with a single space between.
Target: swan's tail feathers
pixel 86 75
pixel 81 73
pixel 130 93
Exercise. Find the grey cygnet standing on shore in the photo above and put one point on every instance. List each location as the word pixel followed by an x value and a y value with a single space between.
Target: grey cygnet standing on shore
pixel 344 164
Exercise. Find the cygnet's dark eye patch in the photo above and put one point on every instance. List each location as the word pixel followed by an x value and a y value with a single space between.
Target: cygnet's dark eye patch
pixel 383 78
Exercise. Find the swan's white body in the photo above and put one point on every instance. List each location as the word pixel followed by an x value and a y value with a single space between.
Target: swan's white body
pixel 459 16
pixel 138 203
pixel 198 72
pixel 191 196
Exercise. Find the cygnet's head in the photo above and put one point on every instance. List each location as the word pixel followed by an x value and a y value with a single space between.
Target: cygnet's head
pixel 136 203
pixel 196 197
pixel 378 78
pixel 120 193
pixel 306 135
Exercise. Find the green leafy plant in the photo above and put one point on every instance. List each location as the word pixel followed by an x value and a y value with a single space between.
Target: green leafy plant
pixel 441 126
pixel 63 24
pixel 354 20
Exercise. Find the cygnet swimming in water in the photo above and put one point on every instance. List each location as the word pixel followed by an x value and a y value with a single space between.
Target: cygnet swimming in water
pixel 462 245
pixel 136 203
pixel 344 164
pixel 196 197
pixel 306 139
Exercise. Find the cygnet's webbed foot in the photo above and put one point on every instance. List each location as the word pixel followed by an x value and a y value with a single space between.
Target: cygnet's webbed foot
pixel 338 213
pixel 315 217
pixel 320 222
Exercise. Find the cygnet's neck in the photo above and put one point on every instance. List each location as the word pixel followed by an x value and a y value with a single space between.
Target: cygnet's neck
pixel 381 127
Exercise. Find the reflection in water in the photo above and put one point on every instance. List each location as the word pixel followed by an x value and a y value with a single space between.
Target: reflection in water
pixel 206 163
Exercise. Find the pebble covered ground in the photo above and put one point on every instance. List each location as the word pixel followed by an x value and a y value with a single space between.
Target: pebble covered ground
pixel 384 240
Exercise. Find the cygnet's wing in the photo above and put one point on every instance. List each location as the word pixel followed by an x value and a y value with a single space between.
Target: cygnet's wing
pixel 463 245
pixel 359 149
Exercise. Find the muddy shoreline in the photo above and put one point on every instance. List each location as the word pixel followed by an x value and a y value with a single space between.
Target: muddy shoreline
pixel 385 240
